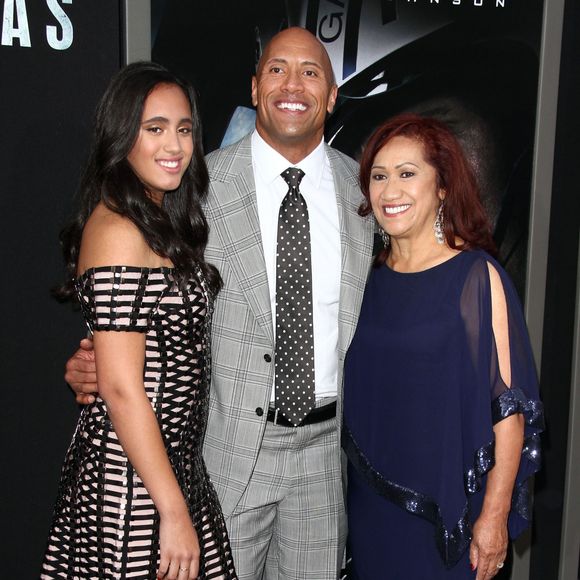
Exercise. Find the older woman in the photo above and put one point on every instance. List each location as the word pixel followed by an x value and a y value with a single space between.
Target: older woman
pixel 441 401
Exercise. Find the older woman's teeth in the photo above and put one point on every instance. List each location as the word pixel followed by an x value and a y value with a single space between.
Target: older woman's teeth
pixel 396 209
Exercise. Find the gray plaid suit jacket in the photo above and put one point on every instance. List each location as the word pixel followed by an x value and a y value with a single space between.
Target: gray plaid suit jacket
pixel 242 332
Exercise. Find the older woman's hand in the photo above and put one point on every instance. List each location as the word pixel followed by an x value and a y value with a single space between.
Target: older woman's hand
pixel 488 548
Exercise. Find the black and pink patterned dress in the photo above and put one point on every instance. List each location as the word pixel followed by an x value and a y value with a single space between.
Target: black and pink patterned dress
pixel 105 525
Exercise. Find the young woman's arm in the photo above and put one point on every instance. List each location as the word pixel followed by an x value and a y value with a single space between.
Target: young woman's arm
pixel 120 356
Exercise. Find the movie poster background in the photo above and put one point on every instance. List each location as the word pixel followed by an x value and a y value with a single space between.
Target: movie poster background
pixel 473 64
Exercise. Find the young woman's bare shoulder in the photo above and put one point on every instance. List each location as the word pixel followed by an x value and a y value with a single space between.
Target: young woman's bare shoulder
pixel 110 239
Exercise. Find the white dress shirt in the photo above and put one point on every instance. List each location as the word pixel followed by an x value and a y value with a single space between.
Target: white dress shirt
pixel 317 188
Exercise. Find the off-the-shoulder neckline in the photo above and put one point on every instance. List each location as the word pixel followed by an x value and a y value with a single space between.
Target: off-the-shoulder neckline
pixel 124 268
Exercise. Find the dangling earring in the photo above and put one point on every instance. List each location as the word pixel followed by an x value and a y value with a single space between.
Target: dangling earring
pixel 438 225
pixel 386 238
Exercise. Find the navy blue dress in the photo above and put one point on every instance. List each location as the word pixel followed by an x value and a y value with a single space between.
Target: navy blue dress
pixel 422 393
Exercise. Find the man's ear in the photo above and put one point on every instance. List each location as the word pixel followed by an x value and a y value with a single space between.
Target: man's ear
pixel 254 91
pixel 332 99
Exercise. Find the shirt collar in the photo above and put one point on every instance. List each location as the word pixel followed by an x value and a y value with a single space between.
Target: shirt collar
pixel 270 164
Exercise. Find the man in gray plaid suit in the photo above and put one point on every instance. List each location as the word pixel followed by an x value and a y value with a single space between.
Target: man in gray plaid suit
pixel 279 485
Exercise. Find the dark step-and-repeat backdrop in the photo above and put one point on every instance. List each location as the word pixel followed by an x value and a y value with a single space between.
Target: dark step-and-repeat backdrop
pixel 472 63
pixel 55 60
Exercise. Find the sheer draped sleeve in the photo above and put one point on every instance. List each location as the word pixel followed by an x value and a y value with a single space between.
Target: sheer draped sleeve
pixel 121 298
pixel 520 396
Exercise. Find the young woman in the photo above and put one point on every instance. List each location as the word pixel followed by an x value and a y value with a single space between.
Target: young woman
pixel 135 500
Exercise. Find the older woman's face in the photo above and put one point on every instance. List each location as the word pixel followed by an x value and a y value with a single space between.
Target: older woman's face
pixel 403 189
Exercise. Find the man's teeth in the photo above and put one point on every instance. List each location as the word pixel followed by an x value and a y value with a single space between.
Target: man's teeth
pixel 169 164
pixel 396 209
pixel 292 106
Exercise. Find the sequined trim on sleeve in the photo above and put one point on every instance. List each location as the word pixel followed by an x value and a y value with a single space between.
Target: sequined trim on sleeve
pixel 509 403
pixel 515 401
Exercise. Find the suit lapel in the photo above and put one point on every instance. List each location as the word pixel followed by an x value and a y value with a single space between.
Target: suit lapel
pixel 232 210
pixel 235 221
pixel 356 238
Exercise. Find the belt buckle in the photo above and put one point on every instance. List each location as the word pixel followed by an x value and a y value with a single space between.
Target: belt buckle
pixel 276 416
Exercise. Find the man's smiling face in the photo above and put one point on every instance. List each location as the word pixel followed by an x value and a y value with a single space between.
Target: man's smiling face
pixel 293 91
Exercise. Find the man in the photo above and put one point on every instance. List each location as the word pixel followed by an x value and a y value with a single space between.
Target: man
pixel 279 484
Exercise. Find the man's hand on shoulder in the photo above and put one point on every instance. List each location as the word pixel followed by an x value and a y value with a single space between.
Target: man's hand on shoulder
pixel 81 373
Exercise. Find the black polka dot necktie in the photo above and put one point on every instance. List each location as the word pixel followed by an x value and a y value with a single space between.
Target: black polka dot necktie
pixel 294 382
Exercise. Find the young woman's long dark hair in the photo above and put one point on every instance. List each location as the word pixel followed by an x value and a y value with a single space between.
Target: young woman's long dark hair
pixel 177 230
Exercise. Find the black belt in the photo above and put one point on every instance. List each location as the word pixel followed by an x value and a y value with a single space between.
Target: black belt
pixel 317 415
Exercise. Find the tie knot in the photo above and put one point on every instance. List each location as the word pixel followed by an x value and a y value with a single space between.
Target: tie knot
pixel 292 176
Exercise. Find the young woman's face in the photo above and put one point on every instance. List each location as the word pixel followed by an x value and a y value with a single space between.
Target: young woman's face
pixel 164 144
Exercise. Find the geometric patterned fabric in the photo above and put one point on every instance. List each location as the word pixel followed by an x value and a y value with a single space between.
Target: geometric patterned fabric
pixel 105 525
pixel 294 368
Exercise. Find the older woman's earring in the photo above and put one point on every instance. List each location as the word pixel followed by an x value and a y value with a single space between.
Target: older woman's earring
pixel 386 238
pixel 438 225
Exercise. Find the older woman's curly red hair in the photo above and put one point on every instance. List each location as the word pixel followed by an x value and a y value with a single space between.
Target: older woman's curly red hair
pixel 465 223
